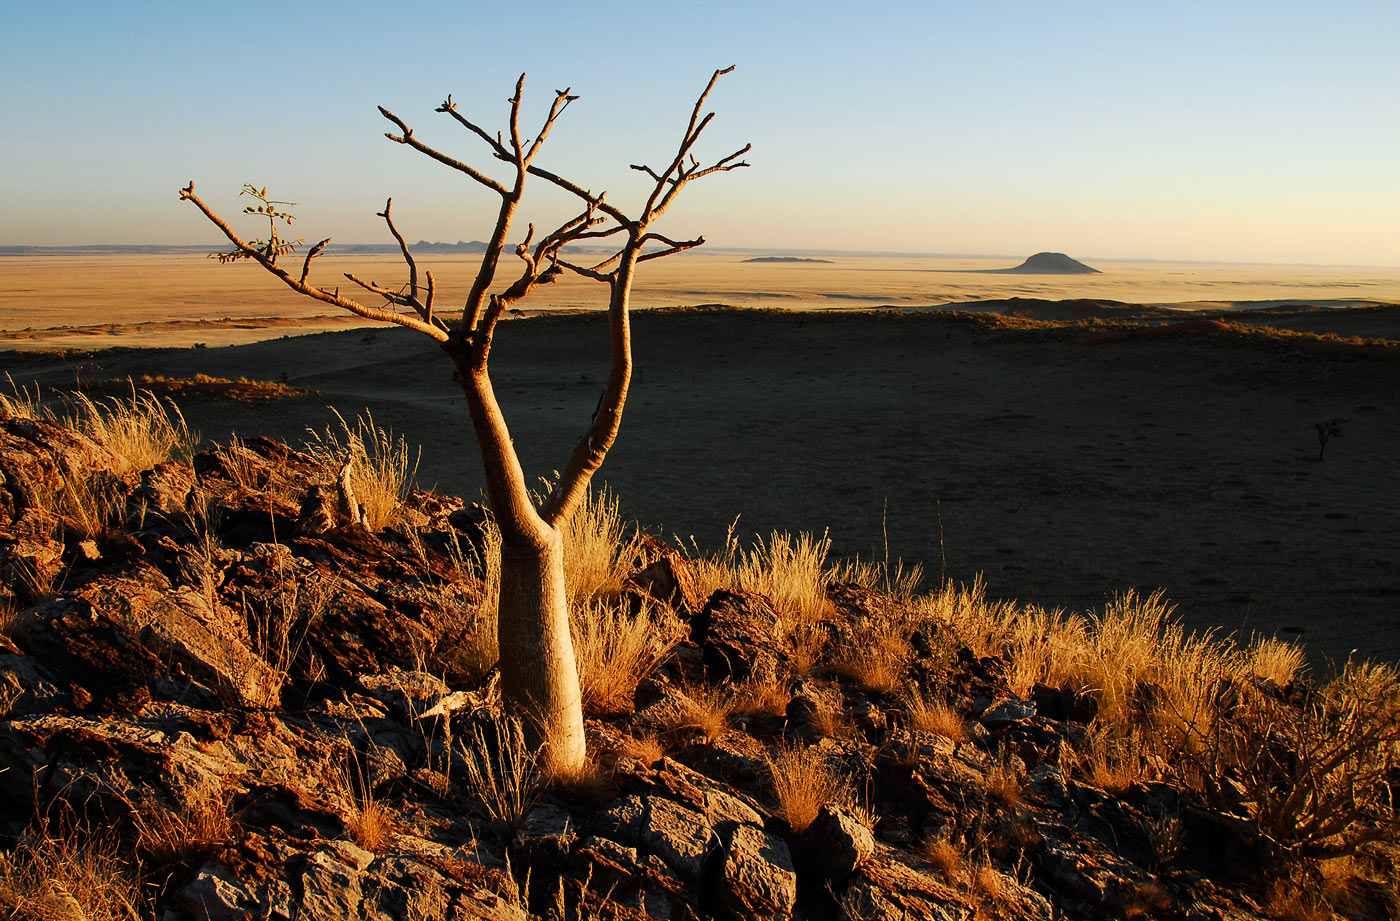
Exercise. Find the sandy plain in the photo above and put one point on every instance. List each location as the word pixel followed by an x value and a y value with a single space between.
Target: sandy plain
pixel 1063 470
pixel 164 300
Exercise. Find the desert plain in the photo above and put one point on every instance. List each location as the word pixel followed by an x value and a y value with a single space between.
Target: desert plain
pixel 1074 452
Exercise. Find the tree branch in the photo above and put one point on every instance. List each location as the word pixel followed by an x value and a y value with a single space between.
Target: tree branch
pixel 299 284
pixel 407 138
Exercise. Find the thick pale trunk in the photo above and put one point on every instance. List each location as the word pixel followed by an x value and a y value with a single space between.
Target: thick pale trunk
pixel 539 680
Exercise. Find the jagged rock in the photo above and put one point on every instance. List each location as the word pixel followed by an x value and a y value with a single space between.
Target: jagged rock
pixel 38 456
pixel 839 843
pixel 546 835
pixel 886 890
pixel 664 576
pixel 757 879
pixel 330 883
pixel 1002 713
pixel 641 882
pixel 411 695
pixel 164 490
pixel 29 563
pixel 319 512
pixel 212 896
pixel 740 634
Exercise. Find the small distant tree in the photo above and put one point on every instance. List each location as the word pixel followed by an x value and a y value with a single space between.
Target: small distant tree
pixel 539 679
pixel 1326 431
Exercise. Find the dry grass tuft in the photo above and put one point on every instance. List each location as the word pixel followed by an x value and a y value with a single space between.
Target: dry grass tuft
pixel 615 650
pixel 598 552
pixel 52 877
pixel 502 772
pixel 945 857
pixel 646 749
pixel 1005 782
pixel 761 695
pixel 22 403
pixel 792 573
pixel 195 831
pixel 1113 761
pixel 368 820
pixel 900 582
pixel 90 507
pixel 381 471
pixel 1272 659
pixel 874 655
pixel 706 710
pixel 141 431
pixel 932 714
pixel 804 781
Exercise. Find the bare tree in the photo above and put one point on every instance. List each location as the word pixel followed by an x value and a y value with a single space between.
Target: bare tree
pixel 539 679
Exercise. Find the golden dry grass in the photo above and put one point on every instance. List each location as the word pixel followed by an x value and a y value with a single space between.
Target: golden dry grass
pixel 598 551
pixel 803 781
pixel 615 650
pixel 502 772
pixel 140 430
pixel 792 572
pixel 930 713
pixel 58 876
pixel 381 465
pixel 874 654
pixel 705 710
pixel 195 830
pixel 761 695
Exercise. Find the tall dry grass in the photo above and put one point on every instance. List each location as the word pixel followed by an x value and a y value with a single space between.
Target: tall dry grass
pixel 598 548
pixel 382 467
pixel 792 572
pixel 51 876
pixel 141 430
pixel 804 780
pixel 22 403
pixel 615 649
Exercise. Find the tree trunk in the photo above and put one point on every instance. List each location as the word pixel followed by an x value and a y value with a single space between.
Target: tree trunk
pixel 539 680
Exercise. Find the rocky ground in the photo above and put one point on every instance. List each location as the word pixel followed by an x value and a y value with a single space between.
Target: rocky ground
pixel 260 711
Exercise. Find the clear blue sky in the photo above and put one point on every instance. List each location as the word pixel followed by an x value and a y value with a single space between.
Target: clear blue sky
pixel 1223 130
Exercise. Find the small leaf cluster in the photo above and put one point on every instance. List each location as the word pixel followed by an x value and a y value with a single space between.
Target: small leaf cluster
pixel 275 245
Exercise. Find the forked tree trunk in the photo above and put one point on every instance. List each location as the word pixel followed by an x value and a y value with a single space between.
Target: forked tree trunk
pixel 539 681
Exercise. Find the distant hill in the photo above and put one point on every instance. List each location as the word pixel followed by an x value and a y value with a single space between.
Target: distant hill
pixel 1048 264
pixel 784 259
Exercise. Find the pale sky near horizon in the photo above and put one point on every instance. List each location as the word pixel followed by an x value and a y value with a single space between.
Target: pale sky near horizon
pixel 1229 131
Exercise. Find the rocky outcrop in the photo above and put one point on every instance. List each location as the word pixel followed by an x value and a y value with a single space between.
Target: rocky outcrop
pixel 266 707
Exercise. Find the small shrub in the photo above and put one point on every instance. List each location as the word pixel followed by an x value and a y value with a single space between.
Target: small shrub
pixel 803 782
